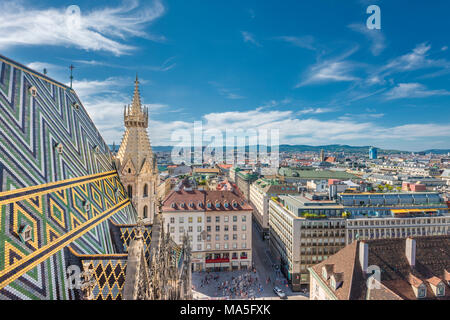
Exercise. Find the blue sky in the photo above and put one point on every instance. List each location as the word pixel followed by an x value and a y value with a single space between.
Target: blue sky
pixel 308 68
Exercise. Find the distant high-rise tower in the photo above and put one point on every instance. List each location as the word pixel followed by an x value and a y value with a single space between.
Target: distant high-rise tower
pixel 136 162
pixel 322 155
pixel 373 153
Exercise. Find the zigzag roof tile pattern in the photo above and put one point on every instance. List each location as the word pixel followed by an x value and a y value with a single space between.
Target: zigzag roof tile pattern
pixel 58 187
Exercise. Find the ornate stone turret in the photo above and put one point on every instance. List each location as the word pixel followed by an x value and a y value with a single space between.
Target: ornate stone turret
pixel 135 115
pixel 136 161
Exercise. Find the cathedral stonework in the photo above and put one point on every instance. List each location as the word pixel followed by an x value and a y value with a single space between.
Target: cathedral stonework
pixel 135 160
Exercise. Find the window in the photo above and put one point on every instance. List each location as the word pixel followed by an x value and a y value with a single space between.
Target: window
pixel 217 246
pixel 199 219
pixel 440 290
pixel 226 218
pixel 208 219
pixel 181 219
pixel 217 219
pixel 190 219
pixel 234 218
pixel 145 190
pixel 234 227
pixel 199 247
pixel 244 218
pixel 234 236
pixel 190 229
pixel 244 236
pixel 145 213
pixel 422 291
pixel 199 238
pixel 225 228
pixel 199 229
pixel 172 220
pixel 244 245
pixel 172 229
pixel 217 237
pixel 208 246
pixel 208 228
pixel 225 246
pixel 130 191
pixel 217 228
pixel 244 227
pixel 225 237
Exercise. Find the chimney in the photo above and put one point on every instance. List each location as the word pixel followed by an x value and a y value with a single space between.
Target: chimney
pixel 364 255
pixel 410 251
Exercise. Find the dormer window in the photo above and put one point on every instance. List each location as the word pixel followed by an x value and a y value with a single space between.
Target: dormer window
pixel 59 148
pixel 324 273
pixel 218 205
pixel 33 91
pixel 235 204
pixel 191 204
pixel 200 204
pixel 440 290
pixel 173 205
pixel 422 292
pixel 87 206
pixel 336 280
pixel 209 205
pixel 182 204
pixel 333 283
pixel 226 205
pixel 26 233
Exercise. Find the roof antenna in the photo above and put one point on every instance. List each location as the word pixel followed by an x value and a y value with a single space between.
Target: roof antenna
pixel 71 75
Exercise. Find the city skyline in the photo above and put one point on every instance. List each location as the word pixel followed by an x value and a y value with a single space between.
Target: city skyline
pixel 315 73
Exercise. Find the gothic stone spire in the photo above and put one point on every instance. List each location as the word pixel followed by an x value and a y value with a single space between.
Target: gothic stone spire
pixel 136 105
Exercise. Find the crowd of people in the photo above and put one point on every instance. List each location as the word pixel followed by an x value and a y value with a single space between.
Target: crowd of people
pixel 245 285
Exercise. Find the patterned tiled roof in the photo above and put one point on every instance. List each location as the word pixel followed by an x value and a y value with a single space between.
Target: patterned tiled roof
pixel 56 180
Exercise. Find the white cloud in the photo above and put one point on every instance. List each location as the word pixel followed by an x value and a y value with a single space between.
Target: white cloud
pixel 40 66
pixel 248 37
pixel 302 131
pixel 413 90
pixel 375 36
pixel 87 88
pixel 305 42
pixel 329 71
pixel 101 29
pixel 315 111
pixel 227 93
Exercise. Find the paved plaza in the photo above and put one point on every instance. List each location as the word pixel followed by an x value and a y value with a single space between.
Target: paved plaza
pixel 255 283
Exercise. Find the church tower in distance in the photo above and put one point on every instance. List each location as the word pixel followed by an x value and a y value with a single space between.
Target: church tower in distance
pixel 135 160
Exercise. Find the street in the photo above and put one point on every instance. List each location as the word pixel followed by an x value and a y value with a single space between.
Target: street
pixel 255 284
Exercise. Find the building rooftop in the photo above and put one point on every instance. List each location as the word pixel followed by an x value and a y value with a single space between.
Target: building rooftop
pixel 315 174
pixel 185 200
pixel 398 277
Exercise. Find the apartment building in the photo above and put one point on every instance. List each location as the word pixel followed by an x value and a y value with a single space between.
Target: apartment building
pixel 304 232
pixel 218 224
pixel 298 242
pixel 260 193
